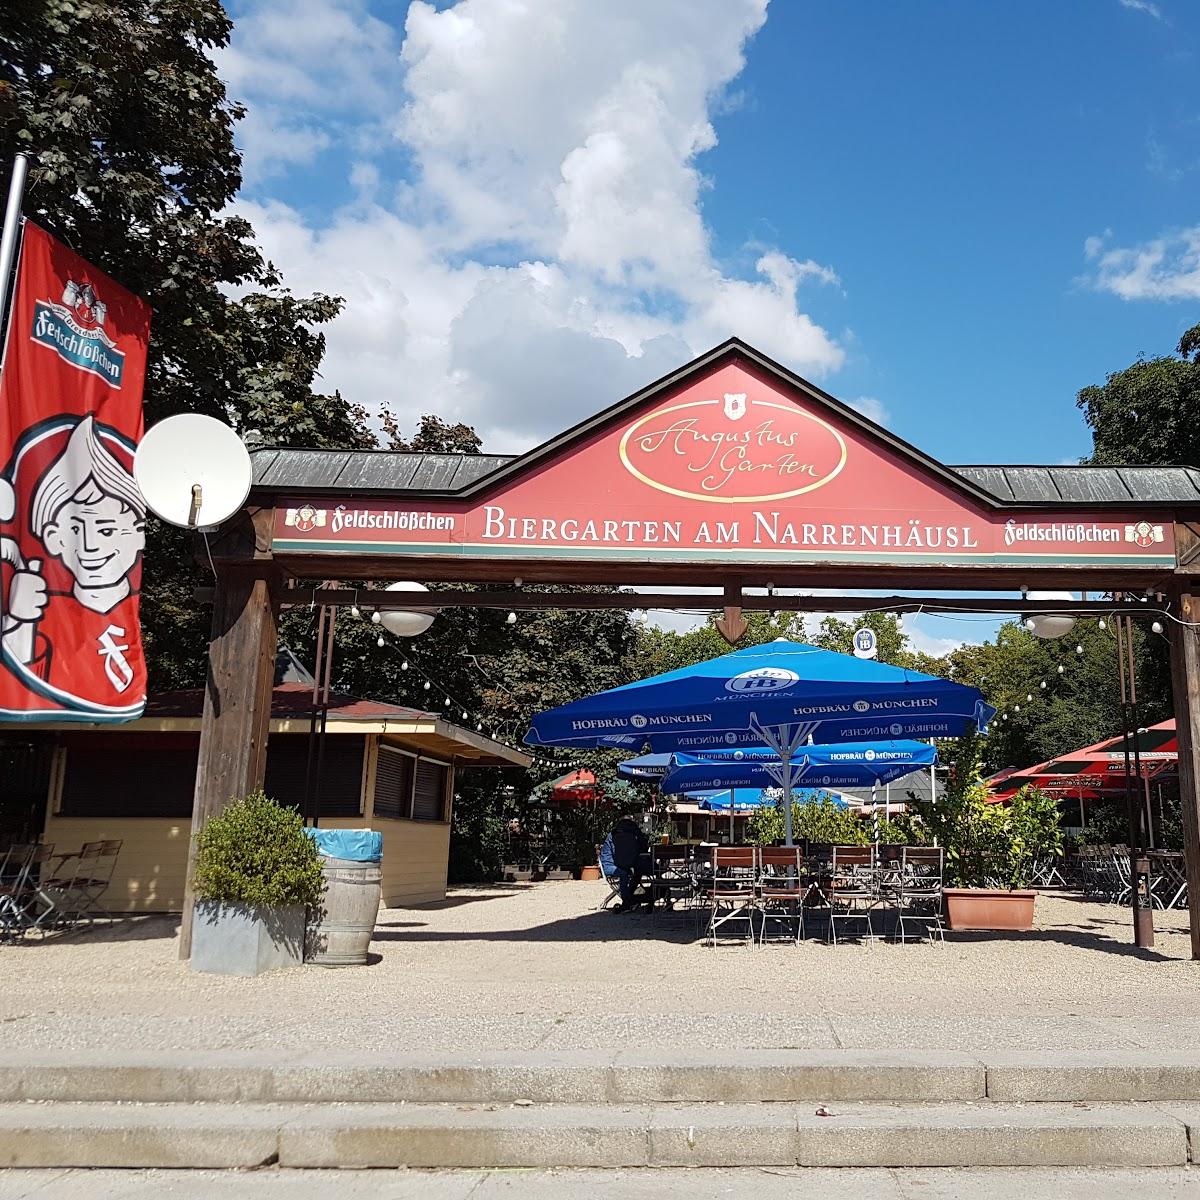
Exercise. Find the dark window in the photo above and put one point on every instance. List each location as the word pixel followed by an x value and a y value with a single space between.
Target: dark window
pixel 341 773
pixel 393 783
pixel 134 775
pixel 105 781
pixel 429 791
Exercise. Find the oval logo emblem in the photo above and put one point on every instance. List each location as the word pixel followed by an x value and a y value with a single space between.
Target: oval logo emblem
pixel 861 706
pixel 733 450
pixel 638 721
pixel 764 679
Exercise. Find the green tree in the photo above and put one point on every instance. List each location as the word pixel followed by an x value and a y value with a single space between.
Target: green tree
pixel 1150 411
pixel 433 436
pixel 134 166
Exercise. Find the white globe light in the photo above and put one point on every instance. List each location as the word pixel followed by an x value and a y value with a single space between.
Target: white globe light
pixel 1050 625
pixel 405 623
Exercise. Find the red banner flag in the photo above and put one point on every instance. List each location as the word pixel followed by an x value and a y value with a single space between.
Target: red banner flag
pixel 72 521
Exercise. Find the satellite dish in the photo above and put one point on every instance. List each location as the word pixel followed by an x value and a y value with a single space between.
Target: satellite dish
pixel 192 471
pixel 406 622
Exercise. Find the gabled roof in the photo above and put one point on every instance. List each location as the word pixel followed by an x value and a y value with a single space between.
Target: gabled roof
pixel 291 709
pixel 461 476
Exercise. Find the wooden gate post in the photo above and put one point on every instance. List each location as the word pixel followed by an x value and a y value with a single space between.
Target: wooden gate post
pixel 1185 686
pixel 237 701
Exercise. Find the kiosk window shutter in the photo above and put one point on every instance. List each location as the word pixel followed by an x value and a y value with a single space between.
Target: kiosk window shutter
pixel 429 792
pixel 393 783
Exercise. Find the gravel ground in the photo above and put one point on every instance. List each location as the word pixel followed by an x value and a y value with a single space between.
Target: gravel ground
pixel 536 965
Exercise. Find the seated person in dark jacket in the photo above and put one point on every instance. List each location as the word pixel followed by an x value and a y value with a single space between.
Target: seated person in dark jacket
pixel 629 845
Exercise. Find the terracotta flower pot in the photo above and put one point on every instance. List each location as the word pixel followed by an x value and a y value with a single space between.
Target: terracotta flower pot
pixel 988 908
pixel 592 872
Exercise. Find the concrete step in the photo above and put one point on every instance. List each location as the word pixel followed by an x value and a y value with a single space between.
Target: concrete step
pixel 981 1134
pixel 645 1183
pixel 587 1077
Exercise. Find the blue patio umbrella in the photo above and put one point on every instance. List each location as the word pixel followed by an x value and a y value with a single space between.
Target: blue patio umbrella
pixel 724 799
pixel 730 700
pixel 851 764
pixel 645 767
pixel 781 695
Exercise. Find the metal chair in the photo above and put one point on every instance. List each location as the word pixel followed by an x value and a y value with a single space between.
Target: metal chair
pixel 782 889
pixel 731 890
pixel 919 897
pixel 24 904
pixel 852 891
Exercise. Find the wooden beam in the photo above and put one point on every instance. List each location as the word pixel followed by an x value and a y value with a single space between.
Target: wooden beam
pixel 1185 686
pixel 466 568
pixel 526 598
pixel 236 718
pixel 731 625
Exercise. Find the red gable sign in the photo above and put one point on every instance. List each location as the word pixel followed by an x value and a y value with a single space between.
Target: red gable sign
pixel 732 465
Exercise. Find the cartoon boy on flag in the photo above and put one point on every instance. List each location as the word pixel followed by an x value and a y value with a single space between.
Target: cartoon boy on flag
pixel 87 513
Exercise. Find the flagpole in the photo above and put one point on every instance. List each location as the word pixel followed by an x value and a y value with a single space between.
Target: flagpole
pixel 12 224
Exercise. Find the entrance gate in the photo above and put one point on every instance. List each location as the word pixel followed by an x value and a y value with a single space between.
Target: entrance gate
pixel 732 472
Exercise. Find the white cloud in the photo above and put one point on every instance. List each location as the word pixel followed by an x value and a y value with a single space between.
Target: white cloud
pixel 546 252
pixel 313 72
pixel 1164 268
pixel 872 409
pixel 1143 6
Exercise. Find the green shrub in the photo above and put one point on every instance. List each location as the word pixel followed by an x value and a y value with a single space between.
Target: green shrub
pixel 256 852
pixel 818 820
pixel 990 845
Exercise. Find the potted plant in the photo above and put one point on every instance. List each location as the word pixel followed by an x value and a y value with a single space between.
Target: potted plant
pixel 990 848
pixel 256 874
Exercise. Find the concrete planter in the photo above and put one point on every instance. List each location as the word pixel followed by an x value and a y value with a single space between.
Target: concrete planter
pixel 988 908
pixel 237 939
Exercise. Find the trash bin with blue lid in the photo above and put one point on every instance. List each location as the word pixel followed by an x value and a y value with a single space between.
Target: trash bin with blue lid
pixel 340 931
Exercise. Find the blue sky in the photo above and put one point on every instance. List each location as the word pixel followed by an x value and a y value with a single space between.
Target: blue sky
pixel 952 215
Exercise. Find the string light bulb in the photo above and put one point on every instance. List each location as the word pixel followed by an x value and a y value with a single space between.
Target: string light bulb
pixel 354 611
pixel 375 617
pixel 1061 668
pixel 380 642
pixel 1078 649
pixel 446 703
pixel 404 665
pixel 511 619
pixel 427 685
pixel 1101 623
pixel 1042 685
pixel 1157 627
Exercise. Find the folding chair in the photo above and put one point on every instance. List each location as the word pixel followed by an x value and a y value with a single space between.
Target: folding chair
pixel 852 891
pixel 920 893
pixel 782 889
pixel 24 904
pixel 100 878
pixel 731 891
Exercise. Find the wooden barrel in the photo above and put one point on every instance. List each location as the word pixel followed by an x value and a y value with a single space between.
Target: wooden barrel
pixel 346 920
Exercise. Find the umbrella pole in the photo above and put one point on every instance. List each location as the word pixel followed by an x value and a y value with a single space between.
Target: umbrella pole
pixel 732 817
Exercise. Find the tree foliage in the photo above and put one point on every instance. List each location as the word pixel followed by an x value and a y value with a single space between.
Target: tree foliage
pixel 1150 411
pixel 131 133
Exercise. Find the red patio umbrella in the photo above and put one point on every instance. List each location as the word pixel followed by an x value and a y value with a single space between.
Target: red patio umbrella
pixel 576 787
pixel 1093 771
